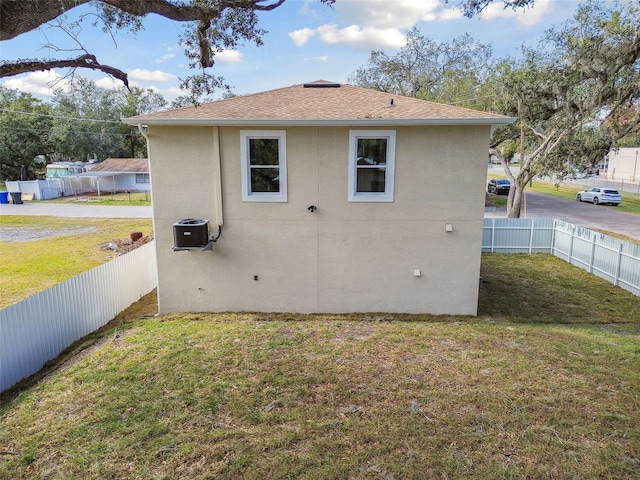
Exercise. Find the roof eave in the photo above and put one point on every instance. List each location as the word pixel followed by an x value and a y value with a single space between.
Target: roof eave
pixel 278 122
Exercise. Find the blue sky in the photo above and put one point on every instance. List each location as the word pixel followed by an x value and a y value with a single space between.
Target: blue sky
pixel 306 41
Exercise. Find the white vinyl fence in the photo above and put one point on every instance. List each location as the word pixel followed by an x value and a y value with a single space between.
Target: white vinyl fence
pixel 37 329
pixel 40 327
pixel 607 257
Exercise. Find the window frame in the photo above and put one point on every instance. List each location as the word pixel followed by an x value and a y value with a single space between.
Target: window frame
pixel 388 194
pixel 245 163
pixel 143 178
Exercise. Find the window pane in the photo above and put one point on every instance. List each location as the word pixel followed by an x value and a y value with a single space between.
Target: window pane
pixel 263 151
pixel 372 151
pixel 265 180
pixel 371 180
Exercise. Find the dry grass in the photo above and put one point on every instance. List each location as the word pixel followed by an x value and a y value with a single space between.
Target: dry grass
pixel 545 289
pixel 248 396
pixel 108 198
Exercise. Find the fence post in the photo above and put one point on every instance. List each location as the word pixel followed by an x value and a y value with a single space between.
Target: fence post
pixel 593 252
pixel 553 237
pixel 533 224
pixel 493 234
pixel 573 231
pixel 618 265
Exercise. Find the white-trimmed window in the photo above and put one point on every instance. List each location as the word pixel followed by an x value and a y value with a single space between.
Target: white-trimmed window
pixel 263 165
pixel 371 165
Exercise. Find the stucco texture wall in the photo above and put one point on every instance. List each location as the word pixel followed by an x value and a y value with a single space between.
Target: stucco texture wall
pixel 624 164
pixel 344 257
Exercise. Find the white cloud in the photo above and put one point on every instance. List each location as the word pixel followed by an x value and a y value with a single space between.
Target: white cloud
pixel 165 58
pixel 380 25
pixel 109 83
pixel 367 37
pixel 308 10
pixel 172 93
pixel 384 14
pixel 38 84
pixel 141 75
pixel 229 56
pixel 322 58
pixel 526 17
pixel 449 14
pixel 302 36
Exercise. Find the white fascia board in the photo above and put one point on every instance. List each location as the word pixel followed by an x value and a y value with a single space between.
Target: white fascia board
pixel 356 122
pixel 101 174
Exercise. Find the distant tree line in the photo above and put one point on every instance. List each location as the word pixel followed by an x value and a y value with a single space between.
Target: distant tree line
pixel 77 124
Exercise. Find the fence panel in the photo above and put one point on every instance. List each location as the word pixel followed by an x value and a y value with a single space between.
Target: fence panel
pixel 38 328
pixel 607 257
pixel 518 235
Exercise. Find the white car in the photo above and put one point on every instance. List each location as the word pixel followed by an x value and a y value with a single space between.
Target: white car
pixel 598 195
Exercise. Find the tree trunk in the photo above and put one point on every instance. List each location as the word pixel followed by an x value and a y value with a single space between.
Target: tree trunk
pixel 515 205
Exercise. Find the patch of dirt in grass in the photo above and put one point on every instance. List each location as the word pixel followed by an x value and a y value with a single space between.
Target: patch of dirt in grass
pixel 27 234
pixel 350 332
pixel 125 245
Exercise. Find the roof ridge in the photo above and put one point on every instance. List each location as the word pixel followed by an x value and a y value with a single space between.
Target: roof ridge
pixel 299 105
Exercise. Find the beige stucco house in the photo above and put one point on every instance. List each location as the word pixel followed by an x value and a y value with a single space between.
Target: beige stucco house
pixel 329 198
pixel 624 164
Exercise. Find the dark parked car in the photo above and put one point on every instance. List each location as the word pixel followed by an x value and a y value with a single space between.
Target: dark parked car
pixel 598 195
pixel 499 187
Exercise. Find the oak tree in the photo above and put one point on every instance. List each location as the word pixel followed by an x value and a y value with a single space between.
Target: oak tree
pixel 87 124
pixel 25 134
pixel 213 26
pixel 576 96
pixel 430 70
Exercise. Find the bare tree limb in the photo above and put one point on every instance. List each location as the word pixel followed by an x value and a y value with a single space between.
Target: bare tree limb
pixel 14 22
pixel 83 61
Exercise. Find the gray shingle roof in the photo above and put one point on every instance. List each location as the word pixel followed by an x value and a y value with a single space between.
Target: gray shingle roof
pixel 319 102
pixel 122 165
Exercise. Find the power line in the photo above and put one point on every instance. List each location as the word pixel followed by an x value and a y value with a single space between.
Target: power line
pixel 61 117
pixel 85 132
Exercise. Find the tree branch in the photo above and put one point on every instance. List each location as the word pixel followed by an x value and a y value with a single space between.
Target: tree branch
pixel 21 16
pixel 14 22
pixel 83 61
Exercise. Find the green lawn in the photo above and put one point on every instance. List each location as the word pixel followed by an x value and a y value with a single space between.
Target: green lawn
pixel 74 246
pixel 542 384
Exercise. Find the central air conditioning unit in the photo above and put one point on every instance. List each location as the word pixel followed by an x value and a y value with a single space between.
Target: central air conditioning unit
pixel 191 234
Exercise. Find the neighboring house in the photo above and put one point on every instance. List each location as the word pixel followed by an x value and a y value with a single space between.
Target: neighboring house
pixel 624 164
pixel 62 169
pixel 110 175
pixel 53 185
pixel 330 198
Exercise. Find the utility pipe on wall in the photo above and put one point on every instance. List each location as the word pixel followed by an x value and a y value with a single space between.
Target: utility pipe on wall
pixel 217 177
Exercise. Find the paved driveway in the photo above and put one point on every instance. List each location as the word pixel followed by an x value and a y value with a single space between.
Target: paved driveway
pixel 75 210
pixel 539 205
